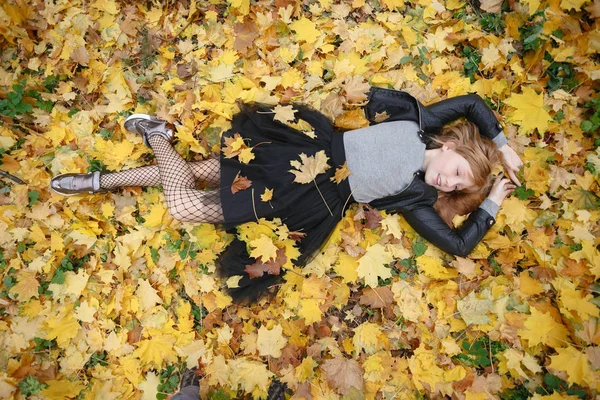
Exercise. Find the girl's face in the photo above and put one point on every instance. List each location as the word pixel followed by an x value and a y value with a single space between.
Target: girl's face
pixel 449 171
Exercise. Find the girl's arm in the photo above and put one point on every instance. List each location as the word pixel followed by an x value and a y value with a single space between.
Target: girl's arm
pixel 426 221
pixel 473 108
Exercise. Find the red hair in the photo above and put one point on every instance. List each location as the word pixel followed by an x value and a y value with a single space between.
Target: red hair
pixel 482 155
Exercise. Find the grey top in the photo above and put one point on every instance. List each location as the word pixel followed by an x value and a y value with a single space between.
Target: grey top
pixel 383 158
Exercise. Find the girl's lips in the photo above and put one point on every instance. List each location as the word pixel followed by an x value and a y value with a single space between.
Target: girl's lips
pixel 438 181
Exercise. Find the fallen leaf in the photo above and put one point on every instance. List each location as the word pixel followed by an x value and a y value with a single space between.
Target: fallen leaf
pixel 240 183
pixel 379 297
pixel 343 374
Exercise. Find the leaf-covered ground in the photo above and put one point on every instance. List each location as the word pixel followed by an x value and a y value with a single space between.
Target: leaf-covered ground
pixel 107 296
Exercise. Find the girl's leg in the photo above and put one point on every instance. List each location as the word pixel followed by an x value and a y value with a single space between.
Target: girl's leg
pixel 207 171
pixel 184 201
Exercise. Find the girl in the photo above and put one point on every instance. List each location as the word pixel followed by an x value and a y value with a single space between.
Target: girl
pixel 401 163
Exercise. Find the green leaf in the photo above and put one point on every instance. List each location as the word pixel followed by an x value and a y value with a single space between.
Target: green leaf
pixel 33 197
pixel 419 248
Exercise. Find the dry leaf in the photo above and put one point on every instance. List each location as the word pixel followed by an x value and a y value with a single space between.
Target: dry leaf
pixel 379 297
pixel 240 183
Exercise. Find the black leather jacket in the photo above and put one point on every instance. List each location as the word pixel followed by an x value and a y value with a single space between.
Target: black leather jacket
pixel 415 202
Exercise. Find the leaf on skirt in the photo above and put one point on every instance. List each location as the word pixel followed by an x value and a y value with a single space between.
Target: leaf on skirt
pixel 341 173
pixel 272 267
pixel 267 195
pixel 310 167
pixel 240 183
pixel 284 114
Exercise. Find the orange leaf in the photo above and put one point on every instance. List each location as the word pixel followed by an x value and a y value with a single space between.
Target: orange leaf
pixel 240 183
pixel 259 268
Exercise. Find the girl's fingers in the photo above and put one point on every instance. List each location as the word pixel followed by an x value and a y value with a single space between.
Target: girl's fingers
pixel 513 176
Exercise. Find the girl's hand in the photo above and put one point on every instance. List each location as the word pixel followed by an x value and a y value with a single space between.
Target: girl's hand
pixel 512 162
pixel 502 187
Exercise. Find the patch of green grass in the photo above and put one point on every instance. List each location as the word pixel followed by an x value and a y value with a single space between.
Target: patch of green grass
pixel 31 386
pixel 492 23
pixel 531 32
pixel 471 64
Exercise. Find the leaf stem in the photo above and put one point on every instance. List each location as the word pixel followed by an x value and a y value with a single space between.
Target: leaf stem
pixel 319 190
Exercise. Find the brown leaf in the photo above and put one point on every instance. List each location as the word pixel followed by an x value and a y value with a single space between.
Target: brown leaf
pixel 186 70
pixel 380 117
pixel 543 274
pixel 80 56
pixel 370 214
pixel 379 297
pixel 272 267
pixel 491 6
pixel 575 268
pixel 296 236
pixel 344 374
pixel 134 335
pixel 333 105
pixel 240 183
pixel 356 89
pixel 244 35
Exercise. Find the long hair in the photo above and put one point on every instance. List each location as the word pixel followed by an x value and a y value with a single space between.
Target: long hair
pixel 482 155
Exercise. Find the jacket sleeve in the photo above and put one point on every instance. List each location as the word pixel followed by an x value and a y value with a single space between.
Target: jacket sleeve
pixel 472 107
pixel 461 241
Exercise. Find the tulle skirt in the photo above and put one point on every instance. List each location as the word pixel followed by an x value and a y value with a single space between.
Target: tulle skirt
pixel 302 207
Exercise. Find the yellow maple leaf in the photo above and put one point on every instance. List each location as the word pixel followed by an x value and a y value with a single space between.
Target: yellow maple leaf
pixel 532 5
pixel 432 267
pixel 306 30
pixel 263 248
pixel 155 216
pixel 371 265
pixel 61 389
pixel 305 370
pixel 147 294
pixel 270 342
pixel 517 213
pixel 369 337
pixel 310 311
pixel 246 155
pixel 267 195
pixel 284 114
pixel 63 330
pixel 341 173
pixel 575 363
pixel 309 167
pixel 150 386
pixel 512 361
pixel 26 287
pixel 243 6
pixel 578 301
pixel 157 350
pixel 346 267
pixel 474 310
pixel 529 111
pixel 251 376
pixel 572 4
pixel 542 328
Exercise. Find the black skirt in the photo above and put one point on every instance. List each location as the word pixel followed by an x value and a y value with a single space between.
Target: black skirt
pixel 300 206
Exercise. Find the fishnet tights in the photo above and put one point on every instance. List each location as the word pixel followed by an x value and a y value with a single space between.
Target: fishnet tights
pixel 178 179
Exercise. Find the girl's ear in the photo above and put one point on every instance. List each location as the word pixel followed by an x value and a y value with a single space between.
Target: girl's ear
pixel 449 145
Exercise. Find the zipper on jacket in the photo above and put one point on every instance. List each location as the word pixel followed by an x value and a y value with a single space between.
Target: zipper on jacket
pixel 421 131
pixel 410 183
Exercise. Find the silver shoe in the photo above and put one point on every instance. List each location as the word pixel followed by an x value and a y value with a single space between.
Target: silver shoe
pixel 148 126
pixel 72 184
